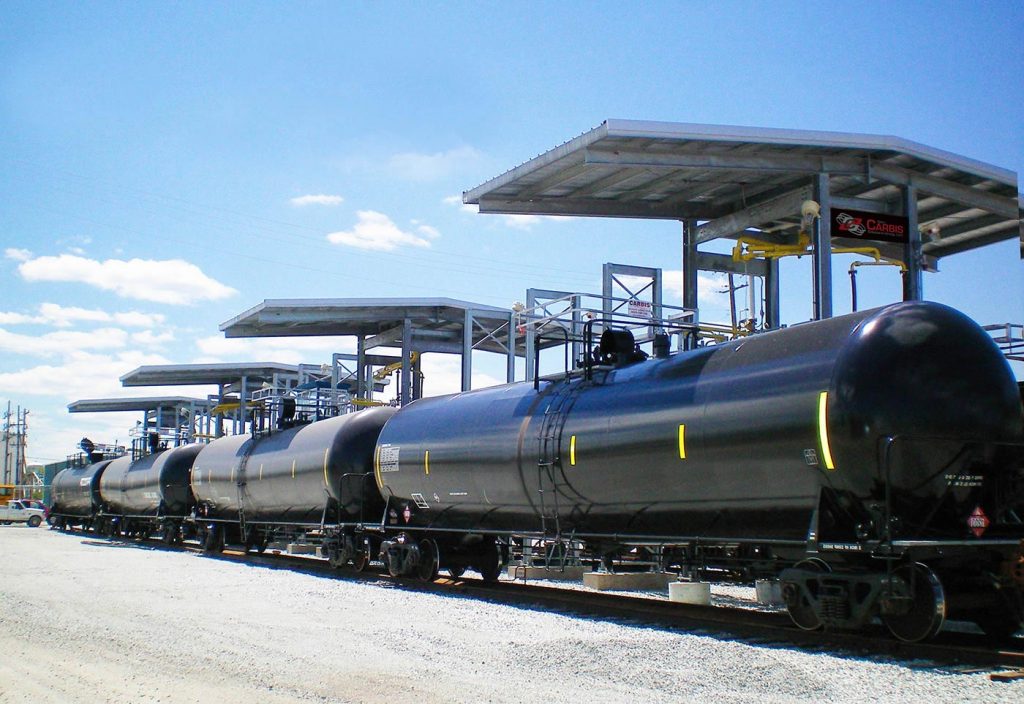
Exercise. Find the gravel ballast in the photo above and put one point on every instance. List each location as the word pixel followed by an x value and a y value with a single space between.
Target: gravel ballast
pixel 86 620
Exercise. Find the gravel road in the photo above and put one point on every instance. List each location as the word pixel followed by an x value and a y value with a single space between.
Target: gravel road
pixel 84 620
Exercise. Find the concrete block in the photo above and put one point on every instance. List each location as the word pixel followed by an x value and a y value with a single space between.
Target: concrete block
pixel 626 581
pixel 769 592
pixel 571 573
pixel 690 592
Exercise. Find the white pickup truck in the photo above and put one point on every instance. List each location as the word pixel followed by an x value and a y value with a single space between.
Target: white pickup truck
pixel 20 512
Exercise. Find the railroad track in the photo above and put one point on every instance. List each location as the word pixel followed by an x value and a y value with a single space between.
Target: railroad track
pixel 962 652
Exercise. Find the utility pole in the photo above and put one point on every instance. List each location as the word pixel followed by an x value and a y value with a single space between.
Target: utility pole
pixel 17 448
pixel 7 444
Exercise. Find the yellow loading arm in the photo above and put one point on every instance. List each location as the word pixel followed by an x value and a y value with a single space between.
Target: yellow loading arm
pixel 385 372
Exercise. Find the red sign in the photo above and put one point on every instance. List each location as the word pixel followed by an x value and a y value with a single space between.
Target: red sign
pixel 862 225
pixel 978 522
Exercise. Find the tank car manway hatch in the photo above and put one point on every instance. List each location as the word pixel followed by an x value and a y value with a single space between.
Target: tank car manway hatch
pixel 889 198
pixel 413 325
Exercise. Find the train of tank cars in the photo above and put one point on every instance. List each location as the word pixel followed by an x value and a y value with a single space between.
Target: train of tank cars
pixel 873 463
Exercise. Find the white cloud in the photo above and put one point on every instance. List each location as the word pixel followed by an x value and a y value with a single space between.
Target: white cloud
pixel 318 199
pixel 18 318
pixel 286 350
pixel 428 231
pixel 65 316
pixel 416 166
pixel 148 338
pixel 517 221
pixel 81 374
pixel 457 202
pixel 171 281
pixel 57 343
pixel 442 374
pixel 521 222
pixel 376 231
pixel 18 255
pixel 53 436
pixel 712 301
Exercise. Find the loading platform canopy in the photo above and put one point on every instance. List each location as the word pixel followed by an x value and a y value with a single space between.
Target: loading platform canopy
pixel 222 374
pixel 738 179
pixel 435 324
pixel 146 403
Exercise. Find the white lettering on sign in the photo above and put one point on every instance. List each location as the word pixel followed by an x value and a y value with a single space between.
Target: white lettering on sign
pixel 640 309
pixel 389 458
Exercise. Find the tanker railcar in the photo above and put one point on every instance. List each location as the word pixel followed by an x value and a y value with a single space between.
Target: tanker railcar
pixel 314 478
pixel 76 496
pixel 874 460
pixel 148 495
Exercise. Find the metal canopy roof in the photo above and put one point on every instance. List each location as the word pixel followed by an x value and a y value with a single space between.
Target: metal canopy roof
pixel 196 374
pixel 145 403
pixel 744 177
pixel 441 320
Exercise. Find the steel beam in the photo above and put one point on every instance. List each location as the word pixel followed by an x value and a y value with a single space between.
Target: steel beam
pixel 809 164
pixel 966 195
pixel 598 207
pixel 725 264
pixel 869 204
pixel 754 215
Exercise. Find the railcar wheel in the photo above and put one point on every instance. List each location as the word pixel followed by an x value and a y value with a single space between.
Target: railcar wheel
pixel 488 562
pixel 430 560
pixel 362 559
pixel 337 558
pixel 927 609
pixel 34 521
pixel 213 540
pixel 800 608
pixel 169 534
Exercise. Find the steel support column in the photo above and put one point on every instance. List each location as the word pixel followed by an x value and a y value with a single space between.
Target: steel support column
pixel 772 316
pixel 362 372
pixel 467 351
pixel 241 401
pixel 822 250
pixel 689 264
pixel 510 353
pixel 913 284
pixel 405 393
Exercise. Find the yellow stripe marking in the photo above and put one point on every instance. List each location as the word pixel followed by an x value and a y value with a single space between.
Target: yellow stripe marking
pixel 572 450
pixel 376 468
pixel 682 441
pixel 261 471
pixel 826 450
pixel 326 482
pixel 293 469
pixel 426 462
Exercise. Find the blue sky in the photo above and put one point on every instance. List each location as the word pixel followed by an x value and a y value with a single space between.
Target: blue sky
pixel 158 158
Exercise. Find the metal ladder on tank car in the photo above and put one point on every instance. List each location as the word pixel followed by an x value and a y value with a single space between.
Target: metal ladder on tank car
pixel 241 482
pixel 550 477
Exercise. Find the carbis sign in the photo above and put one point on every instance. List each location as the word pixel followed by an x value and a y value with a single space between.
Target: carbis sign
pixel 862 225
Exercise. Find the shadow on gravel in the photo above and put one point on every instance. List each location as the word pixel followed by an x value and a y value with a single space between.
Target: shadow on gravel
pixel 757 629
